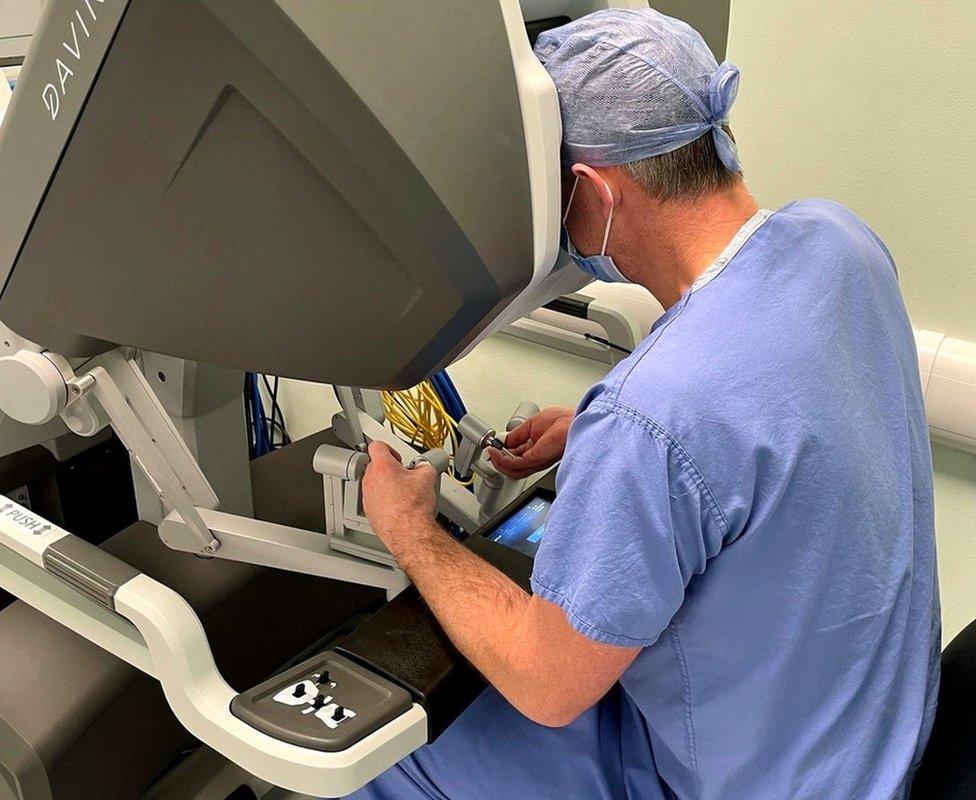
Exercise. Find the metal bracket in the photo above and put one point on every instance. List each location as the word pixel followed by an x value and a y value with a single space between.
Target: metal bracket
pixel 454 500
pixel 342 470
pixel 268 544
pixel 153 442
pixel 43 385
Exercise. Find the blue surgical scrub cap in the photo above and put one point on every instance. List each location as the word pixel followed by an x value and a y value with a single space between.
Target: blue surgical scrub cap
pixel 634 84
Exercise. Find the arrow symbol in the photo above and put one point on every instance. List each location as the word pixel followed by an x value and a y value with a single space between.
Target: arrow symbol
pixel 7 507
pixel 43 530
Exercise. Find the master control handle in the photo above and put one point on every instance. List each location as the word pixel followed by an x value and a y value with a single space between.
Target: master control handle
pixel 350 465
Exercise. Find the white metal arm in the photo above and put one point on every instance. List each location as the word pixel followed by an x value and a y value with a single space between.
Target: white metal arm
pixel 154 443
pixel 267 544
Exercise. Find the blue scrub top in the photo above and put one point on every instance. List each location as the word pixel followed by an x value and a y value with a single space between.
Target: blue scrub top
pixel 748 497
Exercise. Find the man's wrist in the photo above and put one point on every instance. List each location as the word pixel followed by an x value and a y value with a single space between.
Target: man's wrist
pixel 411 538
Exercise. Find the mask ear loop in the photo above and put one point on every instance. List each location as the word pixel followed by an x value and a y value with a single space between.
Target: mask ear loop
pixel 606 232
pixel 572 194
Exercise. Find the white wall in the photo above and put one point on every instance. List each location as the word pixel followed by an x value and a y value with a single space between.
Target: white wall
pixel 872 104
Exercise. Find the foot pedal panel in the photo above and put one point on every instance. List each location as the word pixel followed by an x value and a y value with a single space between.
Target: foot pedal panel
pixel 327 703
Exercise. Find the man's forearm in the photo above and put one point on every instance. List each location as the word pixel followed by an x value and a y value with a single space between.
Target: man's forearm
pixel 480 608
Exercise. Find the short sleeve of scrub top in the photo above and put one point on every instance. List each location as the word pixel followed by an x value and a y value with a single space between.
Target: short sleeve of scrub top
pixel 632 522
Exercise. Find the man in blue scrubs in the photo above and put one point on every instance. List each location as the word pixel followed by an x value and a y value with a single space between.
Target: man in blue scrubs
pixel 735 597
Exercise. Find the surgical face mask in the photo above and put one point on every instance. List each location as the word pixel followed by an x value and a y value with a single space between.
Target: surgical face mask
pixel 601 266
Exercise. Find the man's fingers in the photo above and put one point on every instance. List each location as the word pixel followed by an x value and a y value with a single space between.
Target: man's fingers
pixel 522 449
pixel 500 458
pixel 510 455
pixel 512 466
pixel 518 436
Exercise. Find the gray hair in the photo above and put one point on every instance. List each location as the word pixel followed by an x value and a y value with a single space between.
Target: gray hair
pixel 687 173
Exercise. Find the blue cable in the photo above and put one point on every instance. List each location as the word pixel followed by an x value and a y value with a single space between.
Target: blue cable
pixel 435 381
pixel 255 429
pixel 265 444
pixel 259 420
pixel 439 387
pixel 452 391
pixel 448 395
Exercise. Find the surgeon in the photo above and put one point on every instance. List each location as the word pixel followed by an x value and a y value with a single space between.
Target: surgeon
pixel 735 597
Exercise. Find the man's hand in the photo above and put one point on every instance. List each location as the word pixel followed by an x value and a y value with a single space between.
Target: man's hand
pixel 536 444
pixel 397 501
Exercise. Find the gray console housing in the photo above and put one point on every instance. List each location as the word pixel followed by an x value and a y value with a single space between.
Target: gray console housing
pixel 274 185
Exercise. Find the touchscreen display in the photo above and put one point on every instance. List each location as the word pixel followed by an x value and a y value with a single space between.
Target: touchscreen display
pixel 523 530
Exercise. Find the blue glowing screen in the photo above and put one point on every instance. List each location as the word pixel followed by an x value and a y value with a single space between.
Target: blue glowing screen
pixel 523 530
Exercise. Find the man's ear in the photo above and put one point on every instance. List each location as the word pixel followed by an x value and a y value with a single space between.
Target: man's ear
pixel 603 183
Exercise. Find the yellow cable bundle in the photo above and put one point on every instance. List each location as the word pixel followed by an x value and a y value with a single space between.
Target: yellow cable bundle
pixel 419 415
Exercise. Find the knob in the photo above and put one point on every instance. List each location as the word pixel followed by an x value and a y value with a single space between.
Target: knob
pixel 318 702
pixel 300 690
pixel 32 389
pixel 323 678
pixel 339 714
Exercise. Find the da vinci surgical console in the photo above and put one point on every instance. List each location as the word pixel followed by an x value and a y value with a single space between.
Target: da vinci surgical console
pixel 344 192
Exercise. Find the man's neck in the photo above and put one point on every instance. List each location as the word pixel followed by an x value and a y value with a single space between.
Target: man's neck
pixel 676 242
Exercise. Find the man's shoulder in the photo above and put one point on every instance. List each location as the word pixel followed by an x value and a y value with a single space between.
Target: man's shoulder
pixel 624 414
pixel 652 392
pixel 820 209
pixel 828 227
